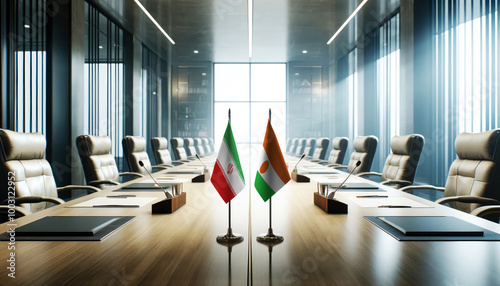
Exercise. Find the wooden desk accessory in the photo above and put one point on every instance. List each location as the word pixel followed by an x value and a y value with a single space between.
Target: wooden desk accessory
pixel 299 178
pixel 202 178
pixel 331 206
pixel 170 205
pixel 328 205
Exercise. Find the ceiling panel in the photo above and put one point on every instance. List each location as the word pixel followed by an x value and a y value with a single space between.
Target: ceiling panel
pixel 218 28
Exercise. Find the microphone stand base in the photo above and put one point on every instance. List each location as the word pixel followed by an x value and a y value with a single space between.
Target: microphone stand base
pixel 330 206
pixel 300 178
pixel 168 206
pixel 201 178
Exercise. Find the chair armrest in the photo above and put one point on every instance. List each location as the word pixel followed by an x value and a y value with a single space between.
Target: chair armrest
pixel 315 160
pixel 163 167
pixel 167 165
pixel 131 174
pixel 469 199
pixel 401 183
pixel 410 189
pixel 91 189
pixel 485 211
pixel 6 212
pixel 337 166
pixel 365 174
pixel 35 199
pixel 98 183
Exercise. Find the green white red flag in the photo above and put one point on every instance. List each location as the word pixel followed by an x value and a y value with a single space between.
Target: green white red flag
pixel 227 176
pixel 272 174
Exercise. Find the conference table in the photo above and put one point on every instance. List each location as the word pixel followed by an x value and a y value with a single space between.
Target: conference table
pixel 318 248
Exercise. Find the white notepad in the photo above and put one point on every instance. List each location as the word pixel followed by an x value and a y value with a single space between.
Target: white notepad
pixel 116 202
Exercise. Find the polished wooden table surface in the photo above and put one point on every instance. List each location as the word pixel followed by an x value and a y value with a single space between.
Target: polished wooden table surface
pixel 318 248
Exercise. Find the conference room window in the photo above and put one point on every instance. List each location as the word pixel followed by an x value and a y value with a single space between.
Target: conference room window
pixel 308 108
pixel 347 89
pixel 388 75
pixel 154 83
pixel 103 79
pixel 250 90
pixel 467 69
pixel 27 66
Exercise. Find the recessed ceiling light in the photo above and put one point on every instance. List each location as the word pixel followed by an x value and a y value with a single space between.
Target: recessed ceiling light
pixel 347 21
pixel 297 73
pixel 195 51
pixel 27 26
pixel 154 21
pixel 101 47
pixel 304 51
pixel 204 74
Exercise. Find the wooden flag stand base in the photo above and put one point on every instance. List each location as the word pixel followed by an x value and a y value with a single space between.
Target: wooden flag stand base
pixel 331 206
pixel 202 178
pixel 168 206
pixel 299 178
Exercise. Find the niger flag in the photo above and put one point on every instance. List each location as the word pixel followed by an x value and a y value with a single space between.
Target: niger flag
pixel 273 173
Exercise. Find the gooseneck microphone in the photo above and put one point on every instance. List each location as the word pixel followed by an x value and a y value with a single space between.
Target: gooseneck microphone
pixel 167 194
pixel 301 157
pixel 197 156
pixel 332 194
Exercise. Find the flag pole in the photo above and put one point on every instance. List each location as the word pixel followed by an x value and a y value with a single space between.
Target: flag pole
pixel 229 238
pixel 270 238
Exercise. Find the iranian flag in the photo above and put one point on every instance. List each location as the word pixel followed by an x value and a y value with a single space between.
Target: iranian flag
pixel 227 176
pixel 272 174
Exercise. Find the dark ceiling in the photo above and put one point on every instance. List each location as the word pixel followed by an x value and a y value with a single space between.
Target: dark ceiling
pixel 218 29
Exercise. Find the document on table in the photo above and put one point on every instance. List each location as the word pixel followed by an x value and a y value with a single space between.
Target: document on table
pixel 115 202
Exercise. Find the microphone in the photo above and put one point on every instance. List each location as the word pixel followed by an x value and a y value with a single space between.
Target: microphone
pixel 197 156
pixel 167 194
pixel 301 157
pixel 331 195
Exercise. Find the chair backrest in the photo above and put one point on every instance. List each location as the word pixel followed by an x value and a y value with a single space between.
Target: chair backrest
pixel 160 150
pixel 364 151
pixel 339 148
pixel 310 146
pixel 134 150
pixel 402 163
pixel 301 145
pixel 476 171
pixel 178 148
pixel 288 145
pixel 189 146
pixel 295 144
pixel 97 161
pixel 22 162
pixel 206 146
pixel 321 148
pixel 198 144
pixel 211 144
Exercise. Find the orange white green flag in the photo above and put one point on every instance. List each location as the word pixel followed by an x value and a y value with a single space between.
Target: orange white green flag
pixel 227 176
pixel 272 174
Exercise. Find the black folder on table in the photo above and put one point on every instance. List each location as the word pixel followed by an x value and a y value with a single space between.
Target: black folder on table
pixel 432 226
pixel 69 228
